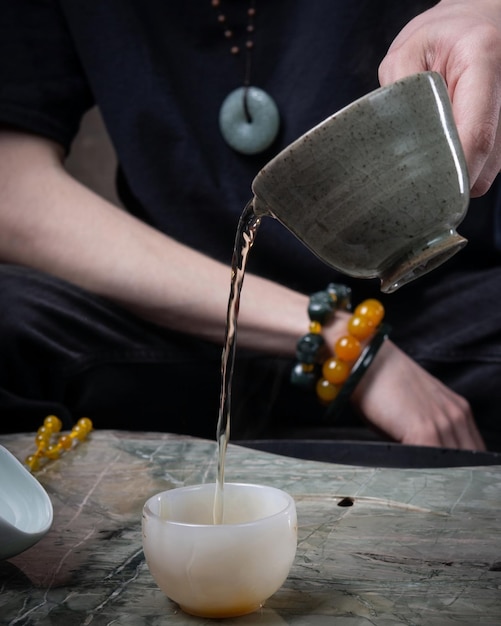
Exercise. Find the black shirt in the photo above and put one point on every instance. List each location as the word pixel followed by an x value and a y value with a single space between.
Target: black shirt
pixel 159 72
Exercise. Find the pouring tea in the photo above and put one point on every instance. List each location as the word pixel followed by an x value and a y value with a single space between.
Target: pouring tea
pixel 378 188
pixel 375 190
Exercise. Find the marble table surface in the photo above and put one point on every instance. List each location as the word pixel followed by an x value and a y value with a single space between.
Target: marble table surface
pixel 416 546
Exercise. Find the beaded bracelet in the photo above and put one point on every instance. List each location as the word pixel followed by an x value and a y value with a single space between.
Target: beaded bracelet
pixel 335 408
pixel 311 347
pixel 50 428
pixel 335 378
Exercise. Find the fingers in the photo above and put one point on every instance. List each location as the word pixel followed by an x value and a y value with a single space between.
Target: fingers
pixel 476 104
pixel 401 61
pixel 403 401
pixel 469 437
pixel 461 41
pixel 490 168
pixel 449 425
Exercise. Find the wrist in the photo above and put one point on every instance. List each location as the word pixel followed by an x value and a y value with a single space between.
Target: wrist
pixel 333 371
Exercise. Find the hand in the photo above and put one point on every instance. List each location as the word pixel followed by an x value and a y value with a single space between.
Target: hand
pixel 461 40
pixel 403 401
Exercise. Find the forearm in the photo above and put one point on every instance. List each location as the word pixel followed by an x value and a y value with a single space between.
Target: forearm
pixel 50 222
pixel 488 5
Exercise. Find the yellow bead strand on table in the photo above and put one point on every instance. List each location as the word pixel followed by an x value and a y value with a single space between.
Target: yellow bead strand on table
pixel 361 327
pixel 50 429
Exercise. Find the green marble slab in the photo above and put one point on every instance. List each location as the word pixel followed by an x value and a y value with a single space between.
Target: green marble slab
pixel 416 547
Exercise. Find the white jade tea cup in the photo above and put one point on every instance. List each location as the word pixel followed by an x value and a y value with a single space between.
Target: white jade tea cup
pixel 378 188
pixel 220 570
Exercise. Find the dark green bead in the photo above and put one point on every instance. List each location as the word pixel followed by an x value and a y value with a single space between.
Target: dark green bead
pixel 341 295
pixel 320 307
pixel 308 348
pixel 323 304
pixel 300 378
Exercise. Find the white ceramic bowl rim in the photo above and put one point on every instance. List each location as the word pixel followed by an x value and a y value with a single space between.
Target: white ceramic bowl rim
pixel 288 501
pixel 24 503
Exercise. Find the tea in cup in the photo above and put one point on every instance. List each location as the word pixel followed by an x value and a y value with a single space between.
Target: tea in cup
pixel 220 570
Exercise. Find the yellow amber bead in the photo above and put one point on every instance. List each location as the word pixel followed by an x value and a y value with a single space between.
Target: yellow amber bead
pixel 65 441
pixel 326 391
pixel 53 423
pixel 85 424
pixel 42 440
pixel 78 432
pixel 335 371
pixel 33 462
pixel 53 451
pixel 315 327
pixel 361 327
pixel 348 348
pixel 371 309
pixel 43 430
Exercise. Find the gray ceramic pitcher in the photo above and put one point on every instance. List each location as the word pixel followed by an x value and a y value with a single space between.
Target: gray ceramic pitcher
pixel 378 188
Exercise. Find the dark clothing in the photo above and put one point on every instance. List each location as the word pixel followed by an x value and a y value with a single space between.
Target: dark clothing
pixel 159 72
pixel 72 353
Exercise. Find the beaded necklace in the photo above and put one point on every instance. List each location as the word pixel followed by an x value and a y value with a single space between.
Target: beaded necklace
pixel 248 119
pixel 50 430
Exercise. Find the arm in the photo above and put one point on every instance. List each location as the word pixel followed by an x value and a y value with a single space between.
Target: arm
pixel 50 222
pixel 461 40
pixel 406 403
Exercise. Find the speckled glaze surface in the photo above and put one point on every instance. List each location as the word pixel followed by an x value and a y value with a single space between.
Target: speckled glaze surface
pixel 378 188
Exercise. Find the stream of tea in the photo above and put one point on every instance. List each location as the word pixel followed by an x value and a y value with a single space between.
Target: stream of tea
pixel 246 233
